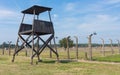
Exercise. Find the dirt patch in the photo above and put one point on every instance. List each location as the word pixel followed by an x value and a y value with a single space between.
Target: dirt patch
pixel 99 62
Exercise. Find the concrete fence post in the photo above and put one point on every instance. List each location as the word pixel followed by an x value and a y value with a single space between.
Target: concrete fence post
pixel 103 47
pixel 68 52
pixel 9 42
pixel 90 45
pixel 3 49
pixel 111 46
pixel 118 46
pixel 76 46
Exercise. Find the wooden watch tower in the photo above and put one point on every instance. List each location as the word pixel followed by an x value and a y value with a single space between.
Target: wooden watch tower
pixel 29 33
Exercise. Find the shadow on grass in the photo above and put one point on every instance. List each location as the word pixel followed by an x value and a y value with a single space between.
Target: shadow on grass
pixel 1 58
pixel 60 61
pixel 49 61
pixel 111 58
pixel 67 61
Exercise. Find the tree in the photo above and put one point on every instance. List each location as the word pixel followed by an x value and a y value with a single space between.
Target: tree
pixel 5 44
pixel 63 42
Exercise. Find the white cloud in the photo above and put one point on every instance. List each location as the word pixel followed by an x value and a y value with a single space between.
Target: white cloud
pixel 103 17
pixel 9 20
pixel 8 16
pixel 55 16
pixel 106 18
pixel 99 23
pixel 112 1
pixel 81 8
pixel 98 6
pixel 70 6
pixel 6 13
pixel 87 18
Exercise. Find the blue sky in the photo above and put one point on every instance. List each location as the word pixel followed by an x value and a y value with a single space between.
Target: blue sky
pixel 71 17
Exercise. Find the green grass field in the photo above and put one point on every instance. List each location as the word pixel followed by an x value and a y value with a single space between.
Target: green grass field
pixel 22 65
pixel 111 58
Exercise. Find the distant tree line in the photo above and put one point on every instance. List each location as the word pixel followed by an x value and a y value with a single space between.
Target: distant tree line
pixel 6 45
pixel 93 45
pixel 96 45
pixel 62 43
